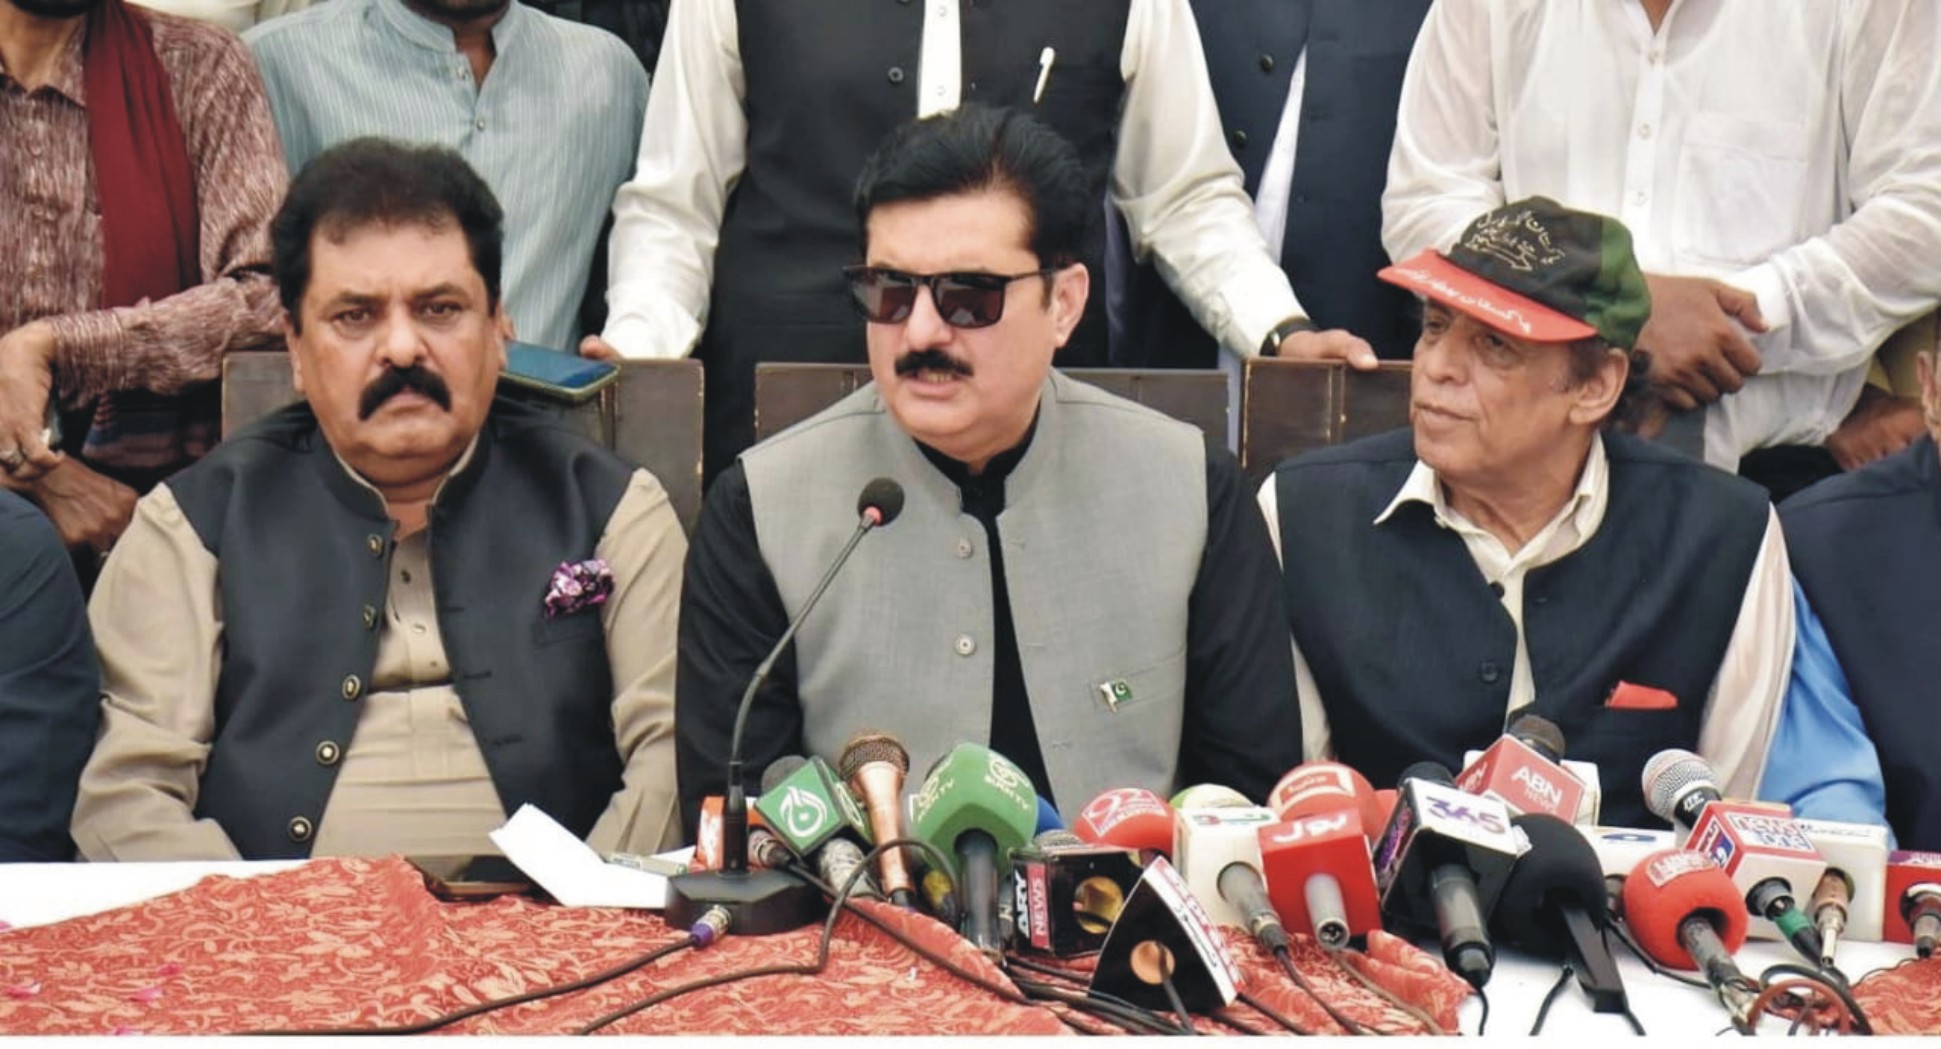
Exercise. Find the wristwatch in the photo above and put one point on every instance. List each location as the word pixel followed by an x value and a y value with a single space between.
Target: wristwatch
pixel 1271 345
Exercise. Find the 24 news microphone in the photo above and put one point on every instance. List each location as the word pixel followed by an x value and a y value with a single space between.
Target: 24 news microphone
pixel 765 901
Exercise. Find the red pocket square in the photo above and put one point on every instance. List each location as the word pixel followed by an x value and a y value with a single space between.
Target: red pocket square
pixel 1627 696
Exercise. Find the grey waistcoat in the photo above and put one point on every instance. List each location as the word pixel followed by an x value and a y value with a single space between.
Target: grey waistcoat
pixel 1104 525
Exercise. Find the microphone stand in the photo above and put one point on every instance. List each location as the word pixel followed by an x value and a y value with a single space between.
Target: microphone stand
pixel 761 901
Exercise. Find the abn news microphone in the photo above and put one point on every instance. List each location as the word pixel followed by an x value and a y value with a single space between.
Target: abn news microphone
pixel 1441 864
pixel 1521 770
pixel 1767 855
pixel 759 901
pixel 977 808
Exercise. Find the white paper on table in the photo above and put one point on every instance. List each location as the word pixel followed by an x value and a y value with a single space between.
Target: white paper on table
pixel 570 870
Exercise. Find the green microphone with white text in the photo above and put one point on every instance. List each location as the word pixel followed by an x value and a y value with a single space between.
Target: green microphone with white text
pixel 976 808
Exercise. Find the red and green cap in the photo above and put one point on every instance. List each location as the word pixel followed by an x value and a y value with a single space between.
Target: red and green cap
pixel 1536 270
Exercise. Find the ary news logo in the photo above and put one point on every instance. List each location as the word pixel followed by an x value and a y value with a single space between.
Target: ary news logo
pixel 1770 832
pixel 803 814
pixel 1517 240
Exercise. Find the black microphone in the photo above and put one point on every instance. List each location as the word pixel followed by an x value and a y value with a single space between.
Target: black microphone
pixel 1426 865
pixel 763 901
pixel 1555 903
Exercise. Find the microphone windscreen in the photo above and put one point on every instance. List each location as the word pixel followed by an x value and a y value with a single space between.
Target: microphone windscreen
pixel 1209 796
pixel 1428 770
pixel 1048 817
pixel 780 769
pixel 1560 869
pixel 1672 885
pixel 1540 734
pixel 1670 773
pixel 1058 838
pixel 1315 788
pixel 867 747
pixel 883 496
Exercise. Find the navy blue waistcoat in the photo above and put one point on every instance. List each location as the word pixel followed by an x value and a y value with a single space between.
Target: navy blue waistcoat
pixel 1413 652
pixel 1866 547
pixel 304 556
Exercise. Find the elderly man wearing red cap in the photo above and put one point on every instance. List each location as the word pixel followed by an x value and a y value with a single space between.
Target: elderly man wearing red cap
pixel 1511 554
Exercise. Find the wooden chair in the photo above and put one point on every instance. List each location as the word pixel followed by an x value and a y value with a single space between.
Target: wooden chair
pixel 651 416
pixel 786 394
pixel 1289 407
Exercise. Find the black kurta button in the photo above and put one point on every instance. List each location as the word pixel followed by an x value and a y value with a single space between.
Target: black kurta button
pixel 301 829
pixel 328 753
pixel 353 687
pixel 1240 138
pixel 1489 672
pixel 375 544
pixel 896 74
pixel 1267 63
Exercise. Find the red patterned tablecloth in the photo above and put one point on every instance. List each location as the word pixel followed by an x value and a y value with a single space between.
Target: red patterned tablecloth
pixel 359 943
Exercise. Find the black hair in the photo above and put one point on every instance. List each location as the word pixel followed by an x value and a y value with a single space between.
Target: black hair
pixel 379 181
pixel 980 148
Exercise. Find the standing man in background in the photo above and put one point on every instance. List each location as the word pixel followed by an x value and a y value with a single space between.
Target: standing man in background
pixel 547 110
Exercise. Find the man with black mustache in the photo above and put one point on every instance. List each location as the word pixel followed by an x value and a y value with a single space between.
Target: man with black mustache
pixel 1076 580
pixel 383 620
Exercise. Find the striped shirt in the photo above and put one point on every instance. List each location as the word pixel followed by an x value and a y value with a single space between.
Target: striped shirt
pixel 50 223
pixel 553 128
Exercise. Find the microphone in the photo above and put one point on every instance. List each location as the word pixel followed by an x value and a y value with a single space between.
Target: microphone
pixel 1442 861
pixel 1129 817
pixel 1556 904
pixel 873 765
pixel 1209 796
pixel 1914 886
pixel 1849 900
pixel 1759 846
pixel 761 902
pixel 1066 894
pixel 1318 872
pixel 1318 788
pixel 1521 770
pixel 815 818
pixel 1619 851
pixel 1048 817
pixel 1206 842
pixel 977 807
pixel 1686 914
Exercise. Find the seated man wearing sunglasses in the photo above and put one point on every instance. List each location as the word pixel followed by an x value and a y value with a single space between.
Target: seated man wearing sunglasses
pixel 1074 579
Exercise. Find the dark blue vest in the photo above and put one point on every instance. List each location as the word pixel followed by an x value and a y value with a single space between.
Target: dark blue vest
pixel 1866 548
pixel 1357 51
pixel 1413 652
pixel 304 556
pixel 826 82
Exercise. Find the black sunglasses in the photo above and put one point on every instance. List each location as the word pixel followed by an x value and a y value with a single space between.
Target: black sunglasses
pixel 963 300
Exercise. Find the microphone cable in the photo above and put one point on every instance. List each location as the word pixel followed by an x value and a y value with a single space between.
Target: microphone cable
pixel 1144 1018
pixel 1630 944
pixel 1420 1015
pixel 704 934
pixel 1550 998
pixel 1787 980
pixel 1271 1013
pixel 1349 1026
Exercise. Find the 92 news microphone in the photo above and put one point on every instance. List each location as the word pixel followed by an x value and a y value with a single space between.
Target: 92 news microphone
pixel 760 902
pixel 1129 817
pixel 1759 846
pixel 1555 904
pixel 977 808
pixel 1521 770
pixel 1441 863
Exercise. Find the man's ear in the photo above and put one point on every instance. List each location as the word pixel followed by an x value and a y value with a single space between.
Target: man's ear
pixel 1596 397
pixel 290 349
pixel 502 332
pixel 1070 287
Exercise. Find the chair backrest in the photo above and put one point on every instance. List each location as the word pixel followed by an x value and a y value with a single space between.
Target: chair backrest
pixel 650 417
pixel 786 394
pixel 1289 407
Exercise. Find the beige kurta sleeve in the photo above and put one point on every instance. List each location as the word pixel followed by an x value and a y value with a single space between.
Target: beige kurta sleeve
pixel 645 547
pixel 157 623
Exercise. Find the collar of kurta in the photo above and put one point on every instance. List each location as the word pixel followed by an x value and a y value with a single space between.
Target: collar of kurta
pixel 433 36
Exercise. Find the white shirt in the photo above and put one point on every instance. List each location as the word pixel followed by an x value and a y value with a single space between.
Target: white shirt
pixel 1742 708
pixel 1791 149
pixel 1182 195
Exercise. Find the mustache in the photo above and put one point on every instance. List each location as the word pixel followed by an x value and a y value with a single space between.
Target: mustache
pixel 931 359
pixel 395 381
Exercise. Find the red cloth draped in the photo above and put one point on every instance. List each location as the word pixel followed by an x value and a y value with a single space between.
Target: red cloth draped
pixel 358 943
